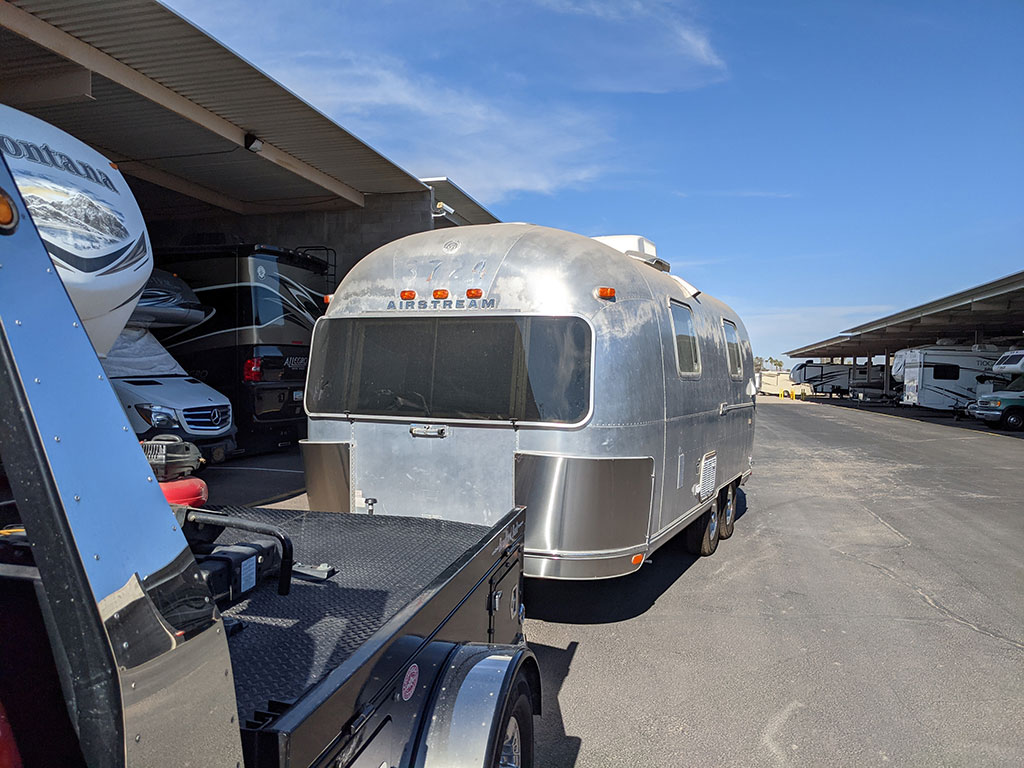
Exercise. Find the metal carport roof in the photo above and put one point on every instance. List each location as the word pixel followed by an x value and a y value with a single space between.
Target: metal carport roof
pixel 989 312
pixel 464 209
pixel 173 106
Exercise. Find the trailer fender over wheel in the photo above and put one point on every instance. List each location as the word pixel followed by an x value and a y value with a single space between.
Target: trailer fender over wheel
pixel 483 709
pixel 727 505
pixel 703 533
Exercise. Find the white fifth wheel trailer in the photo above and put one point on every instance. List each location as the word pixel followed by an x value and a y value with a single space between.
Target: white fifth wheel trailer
pixel 87 218
pixel 943 377
pixel 781 383
pixel 514 364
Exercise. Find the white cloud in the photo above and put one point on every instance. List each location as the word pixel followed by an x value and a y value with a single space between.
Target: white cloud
pixel 513 115
pixel 668 28
pixel 490 146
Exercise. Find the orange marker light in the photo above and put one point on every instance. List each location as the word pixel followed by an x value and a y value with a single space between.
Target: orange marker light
pixel 637 559
pixel 114 166
pixel 474 293
pixel 441 293
pixel 407 295
pixel 328 297
pixel 8 214
pixel 606 293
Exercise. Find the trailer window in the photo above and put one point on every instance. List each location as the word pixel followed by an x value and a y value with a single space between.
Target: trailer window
pixel 687 357
pixel 732 345
pixel 490 368
pixel 946 372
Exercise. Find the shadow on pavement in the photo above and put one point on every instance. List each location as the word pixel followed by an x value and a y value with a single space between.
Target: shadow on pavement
pixel 554 748
pixel 611 600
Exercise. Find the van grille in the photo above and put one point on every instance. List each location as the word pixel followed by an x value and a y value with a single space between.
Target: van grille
pixel 212 419
pixel 708 468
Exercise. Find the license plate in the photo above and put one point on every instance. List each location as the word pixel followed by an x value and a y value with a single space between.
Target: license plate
pixel 297 395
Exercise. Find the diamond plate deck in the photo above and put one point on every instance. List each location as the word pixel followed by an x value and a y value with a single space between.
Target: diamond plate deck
pixel 289 643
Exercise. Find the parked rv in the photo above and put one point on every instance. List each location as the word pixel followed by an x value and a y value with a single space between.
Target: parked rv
pixel 781 383
pixel 160 398
pixel 87 217
pixel 254 347
pixel 137 637
pixel 514 364
pixel 838 378
pixel 943 377
pixel 1005 407
pixel 823 378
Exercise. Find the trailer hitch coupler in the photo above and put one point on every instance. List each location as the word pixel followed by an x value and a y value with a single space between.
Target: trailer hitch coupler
pixel 284 576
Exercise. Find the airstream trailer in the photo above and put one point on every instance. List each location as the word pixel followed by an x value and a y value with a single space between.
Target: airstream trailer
pixel 457 373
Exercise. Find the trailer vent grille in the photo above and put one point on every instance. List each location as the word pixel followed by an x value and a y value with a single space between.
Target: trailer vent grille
pixel 708 467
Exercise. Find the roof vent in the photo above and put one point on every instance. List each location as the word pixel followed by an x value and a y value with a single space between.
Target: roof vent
pixel 652 261
pixel 627 243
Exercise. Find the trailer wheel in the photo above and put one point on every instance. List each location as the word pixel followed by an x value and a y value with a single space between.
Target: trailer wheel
pixel 702 534
pixel 1013 419
pixel 514 745
pixel 727 503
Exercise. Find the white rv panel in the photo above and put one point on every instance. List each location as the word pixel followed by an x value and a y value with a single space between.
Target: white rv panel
pixel 944 377
pixel 88 220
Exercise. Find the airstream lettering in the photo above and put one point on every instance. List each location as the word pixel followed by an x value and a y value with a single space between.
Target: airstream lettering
pixel 444 304
pixel 611 398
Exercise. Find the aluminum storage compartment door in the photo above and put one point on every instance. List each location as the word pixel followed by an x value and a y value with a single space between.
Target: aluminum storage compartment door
pixel 584 506
pixel 466 475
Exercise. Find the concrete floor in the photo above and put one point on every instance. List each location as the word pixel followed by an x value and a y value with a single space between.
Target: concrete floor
pixel 869 609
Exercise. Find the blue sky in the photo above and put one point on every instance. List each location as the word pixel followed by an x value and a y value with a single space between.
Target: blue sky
pixel 815 164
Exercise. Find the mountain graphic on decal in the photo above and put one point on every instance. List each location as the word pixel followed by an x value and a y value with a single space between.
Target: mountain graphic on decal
pixel 77 221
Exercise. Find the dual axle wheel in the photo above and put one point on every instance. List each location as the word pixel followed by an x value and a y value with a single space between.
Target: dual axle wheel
pixel 704 533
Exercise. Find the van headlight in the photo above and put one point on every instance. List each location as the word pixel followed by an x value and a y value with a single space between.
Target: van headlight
pixel 157 415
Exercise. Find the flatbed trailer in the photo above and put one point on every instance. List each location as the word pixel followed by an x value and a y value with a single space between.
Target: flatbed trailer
pixel 350 641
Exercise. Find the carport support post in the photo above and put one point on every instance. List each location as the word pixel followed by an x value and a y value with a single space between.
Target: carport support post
pixel 886 373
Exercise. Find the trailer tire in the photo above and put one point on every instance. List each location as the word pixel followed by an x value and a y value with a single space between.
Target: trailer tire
pixel 703 533
pixel 514 745
pixel 1013 419
pixel 727 503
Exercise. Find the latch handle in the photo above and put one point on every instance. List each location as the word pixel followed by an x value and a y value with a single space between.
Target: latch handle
pixel 428 430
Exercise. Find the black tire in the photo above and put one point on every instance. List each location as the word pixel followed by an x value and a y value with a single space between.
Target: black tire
pixel 727 505
pixel 785 394
pixel 519 706
pixel 1013 419
pixel 703 533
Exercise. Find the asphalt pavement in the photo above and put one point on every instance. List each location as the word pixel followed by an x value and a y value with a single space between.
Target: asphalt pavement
pixel 868 610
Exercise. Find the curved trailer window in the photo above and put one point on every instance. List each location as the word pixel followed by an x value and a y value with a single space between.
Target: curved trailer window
pixel 470 368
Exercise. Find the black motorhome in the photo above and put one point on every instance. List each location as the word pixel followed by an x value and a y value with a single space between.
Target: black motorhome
pixel 254 347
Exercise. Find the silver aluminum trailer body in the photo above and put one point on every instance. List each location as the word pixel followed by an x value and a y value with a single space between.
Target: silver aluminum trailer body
pixel 540 393
pixel 944 377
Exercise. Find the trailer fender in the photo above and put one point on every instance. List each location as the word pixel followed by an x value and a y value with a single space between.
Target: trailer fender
pixel 468 704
